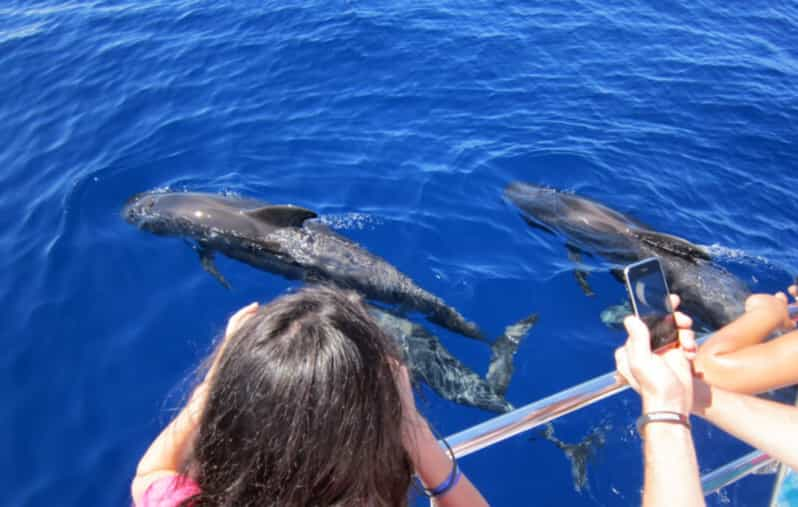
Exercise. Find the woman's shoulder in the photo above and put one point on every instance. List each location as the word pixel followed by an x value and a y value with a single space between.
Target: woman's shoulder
pixel 169 491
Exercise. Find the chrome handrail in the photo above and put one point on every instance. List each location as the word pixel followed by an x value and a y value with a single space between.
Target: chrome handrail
pixel 535 414
pixel 572 399
pixel 545 410
pixel 734 471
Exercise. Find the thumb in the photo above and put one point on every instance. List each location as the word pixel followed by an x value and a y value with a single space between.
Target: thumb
pixel 639 343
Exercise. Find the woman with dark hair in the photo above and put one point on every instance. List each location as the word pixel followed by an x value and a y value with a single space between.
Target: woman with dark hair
pixel 306 402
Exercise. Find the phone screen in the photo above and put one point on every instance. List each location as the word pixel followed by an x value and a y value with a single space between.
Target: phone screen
pixel 649 294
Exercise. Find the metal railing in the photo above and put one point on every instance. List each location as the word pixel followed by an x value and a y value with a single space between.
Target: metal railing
pixel 732 472
pixel 574 398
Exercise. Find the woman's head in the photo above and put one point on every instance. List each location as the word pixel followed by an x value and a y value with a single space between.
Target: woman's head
pixel 303 409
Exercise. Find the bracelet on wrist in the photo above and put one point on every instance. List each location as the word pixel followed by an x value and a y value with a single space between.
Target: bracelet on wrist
pixel 663 416
pixel 450 481
pixel 448 484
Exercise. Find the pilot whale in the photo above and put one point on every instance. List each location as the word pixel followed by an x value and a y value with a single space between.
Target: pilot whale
pixel 282 239
pixel 708 292
pixel 430 362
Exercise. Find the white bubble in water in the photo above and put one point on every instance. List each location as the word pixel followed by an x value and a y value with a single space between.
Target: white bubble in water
pixel 351 221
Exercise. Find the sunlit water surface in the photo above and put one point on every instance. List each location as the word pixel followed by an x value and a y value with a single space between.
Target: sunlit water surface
pixel 400 123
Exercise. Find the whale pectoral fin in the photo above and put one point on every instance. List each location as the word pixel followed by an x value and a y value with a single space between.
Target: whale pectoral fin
pixel 581 279
pixel 206 256
pixel 673 245
pixel 575 255
pixel 536 225
pixel 501 368
pixel 282 216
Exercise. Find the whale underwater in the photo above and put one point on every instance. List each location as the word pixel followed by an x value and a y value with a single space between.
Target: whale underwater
pixel 430 362
pixel 283 240
pixel 709 293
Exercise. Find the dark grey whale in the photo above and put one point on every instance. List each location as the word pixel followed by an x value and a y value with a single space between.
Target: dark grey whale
pixel 430 362
pixel 282 240
pixel 708 292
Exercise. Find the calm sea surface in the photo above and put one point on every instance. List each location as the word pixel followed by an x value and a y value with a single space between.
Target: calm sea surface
pixel 400 123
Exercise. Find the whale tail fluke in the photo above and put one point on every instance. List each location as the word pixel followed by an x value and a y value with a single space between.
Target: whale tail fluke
pixel 580 454
pixel 503 350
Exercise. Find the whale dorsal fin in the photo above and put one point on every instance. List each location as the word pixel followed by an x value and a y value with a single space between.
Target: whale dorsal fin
pixel 673 245
pixel 282 215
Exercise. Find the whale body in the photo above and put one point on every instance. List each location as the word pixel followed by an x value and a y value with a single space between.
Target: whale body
pixel 430 362
pixel 708 292
pixel 282 239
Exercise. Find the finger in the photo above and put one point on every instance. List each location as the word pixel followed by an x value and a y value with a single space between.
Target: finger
pixel 677 361
pixel 250 308
pixel 622 365
pixel 241 315
pixel 619 358
pixel 683 321
pixel 639 343
pixel 688 343
pixel 793 290
pixel 782 296
pixel 675 301
pixel 238 318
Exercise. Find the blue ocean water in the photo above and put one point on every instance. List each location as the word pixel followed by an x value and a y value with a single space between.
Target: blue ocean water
pixel 400 123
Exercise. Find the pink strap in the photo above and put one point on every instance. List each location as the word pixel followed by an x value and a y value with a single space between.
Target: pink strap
pixel 169 491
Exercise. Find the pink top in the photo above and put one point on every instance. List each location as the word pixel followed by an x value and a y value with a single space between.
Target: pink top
pixel 169 491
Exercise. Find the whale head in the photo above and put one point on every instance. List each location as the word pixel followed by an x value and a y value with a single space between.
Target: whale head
pixel 208 216
pixel 584 223
pixel 176 213
pixel 541 204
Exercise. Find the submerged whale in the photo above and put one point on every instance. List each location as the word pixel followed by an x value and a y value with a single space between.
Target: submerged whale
pixel 430 362
pixel 283 240
pixel 708 292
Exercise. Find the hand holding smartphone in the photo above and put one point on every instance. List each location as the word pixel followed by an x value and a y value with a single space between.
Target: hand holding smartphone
pixel 648 293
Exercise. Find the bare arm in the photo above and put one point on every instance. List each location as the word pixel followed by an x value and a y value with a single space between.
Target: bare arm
pixel 166 454
pixel 168 451
pixel 432 463
pixel 671 468
pixel 433 466
pixel 738 359
pixel 664 383
pixel 764 424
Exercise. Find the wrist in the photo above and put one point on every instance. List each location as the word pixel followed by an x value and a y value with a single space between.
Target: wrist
pixel 662 418
pixel 665 431
pixel 660 404
pixel 432 462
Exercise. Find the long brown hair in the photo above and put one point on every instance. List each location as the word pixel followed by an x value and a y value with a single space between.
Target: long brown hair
pixel 303 410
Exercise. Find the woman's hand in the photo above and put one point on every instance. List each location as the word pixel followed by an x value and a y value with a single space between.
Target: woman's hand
pixel 775 305
pixel 233 325
pixel 412 421
pixel 238 319
pixel 664 381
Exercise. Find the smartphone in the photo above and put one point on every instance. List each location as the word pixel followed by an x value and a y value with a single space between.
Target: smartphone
pixel 648 292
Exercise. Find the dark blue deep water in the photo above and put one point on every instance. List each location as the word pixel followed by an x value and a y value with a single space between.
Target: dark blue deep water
pixel 400 123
